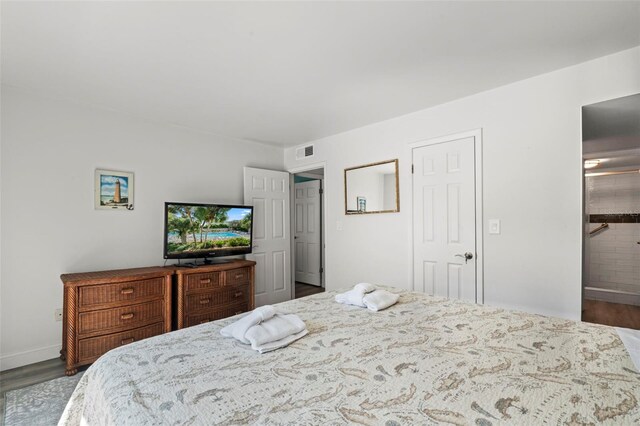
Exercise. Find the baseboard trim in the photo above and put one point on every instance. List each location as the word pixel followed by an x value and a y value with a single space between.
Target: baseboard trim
pixel 7 362
pixel 610 290
pixel 611 295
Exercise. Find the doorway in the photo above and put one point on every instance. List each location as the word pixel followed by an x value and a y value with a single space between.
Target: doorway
pixel 447 217
pixel 307 213
pixel 611 212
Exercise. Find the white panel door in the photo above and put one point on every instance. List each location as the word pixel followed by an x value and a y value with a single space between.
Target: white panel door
pixel 307 241
pixel 444 222
pixel 268 192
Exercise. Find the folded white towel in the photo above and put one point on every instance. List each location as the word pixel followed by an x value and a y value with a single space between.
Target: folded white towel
pixel 366 287
pixel 239 329
pixel 265 329
pixel 379 300
pixel 273 329
pixel 351 297
pixel 355 295
pixel 272 346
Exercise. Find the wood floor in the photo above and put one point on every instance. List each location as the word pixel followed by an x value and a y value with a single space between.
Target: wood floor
pixel 303 290
pixel 614 314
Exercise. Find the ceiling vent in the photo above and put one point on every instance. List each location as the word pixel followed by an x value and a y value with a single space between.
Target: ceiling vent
pixel 304 152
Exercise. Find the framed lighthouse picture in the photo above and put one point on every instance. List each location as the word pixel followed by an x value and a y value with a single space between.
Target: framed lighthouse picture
pixel 114 190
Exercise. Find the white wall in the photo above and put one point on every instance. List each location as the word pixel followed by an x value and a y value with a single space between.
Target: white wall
pixel 50 150
pixel 532 182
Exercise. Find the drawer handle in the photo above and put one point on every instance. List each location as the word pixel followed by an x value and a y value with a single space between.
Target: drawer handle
pixel 205 301
pixel 205 280
pixel 126 316
pixel 203 321
pixel 128 290
pixel 238 276
pixel 238 294
pixel 127 341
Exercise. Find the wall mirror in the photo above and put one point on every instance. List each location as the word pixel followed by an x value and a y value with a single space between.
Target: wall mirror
pixel 372 188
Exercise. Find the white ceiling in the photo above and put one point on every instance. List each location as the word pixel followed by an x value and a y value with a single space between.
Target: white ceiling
pixel 288 73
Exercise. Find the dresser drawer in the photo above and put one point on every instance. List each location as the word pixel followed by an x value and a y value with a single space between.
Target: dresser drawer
pixel 237 276
pixel 126 317
pixel 131 291
pixel 224 296
pixel 93 347
pixel 196 282
pixel 217 314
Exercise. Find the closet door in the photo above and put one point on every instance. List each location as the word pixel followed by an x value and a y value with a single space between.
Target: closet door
pixel 444 219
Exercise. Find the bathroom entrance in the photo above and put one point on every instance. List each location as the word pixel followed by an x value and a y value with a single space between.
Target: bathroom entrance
pixel 611 237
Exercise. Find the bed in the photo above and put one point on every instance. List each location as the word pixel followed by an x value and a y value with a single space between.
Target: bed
pixel 426 360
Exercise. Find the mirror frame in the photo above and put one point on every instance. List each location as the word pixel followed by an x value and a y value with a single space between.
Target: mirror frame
pixel 396 210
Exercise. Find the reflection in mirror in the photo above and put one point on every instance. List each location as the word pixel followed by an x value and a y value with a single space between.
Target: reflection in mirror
pixel 372 188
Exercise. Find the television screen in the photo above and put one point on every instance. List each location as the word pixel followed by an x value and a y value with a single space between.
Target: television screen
pixel 206 230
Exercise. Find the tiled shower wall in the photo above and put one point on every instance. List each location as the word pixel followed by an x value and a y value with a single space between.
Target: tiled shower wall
pixel 613 254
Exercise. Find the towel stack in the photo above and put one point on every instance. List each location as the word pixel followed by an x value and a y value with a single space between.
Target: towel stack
pixel 365 295
pixel 266 329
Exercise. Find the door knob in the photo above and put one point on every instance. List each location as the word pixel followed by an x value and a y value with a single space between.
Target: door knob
pixel 467 256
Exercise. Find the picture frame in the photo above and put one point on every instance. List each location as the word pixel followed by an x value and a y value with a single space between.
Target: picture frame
pixel 364 184
pixel 362 204
pixel 113 190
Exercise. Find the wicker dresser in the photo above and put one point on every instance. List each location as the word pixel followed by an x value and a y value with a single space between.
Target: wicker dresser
pixel 107 309
pixel 212 292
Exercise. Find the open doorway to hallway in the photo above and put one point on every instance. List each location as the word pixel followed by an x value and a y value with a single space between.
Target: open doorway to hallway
pixel 307 213
pixel 611 237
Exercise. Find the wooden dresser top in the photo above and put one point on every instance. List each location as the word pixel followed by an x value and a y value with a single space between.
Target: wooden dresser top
pixel 116 275
pixel 120 275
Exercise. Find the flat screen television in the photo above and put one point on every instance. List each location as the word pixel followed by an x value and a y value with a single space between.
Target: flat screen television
pixel 206 230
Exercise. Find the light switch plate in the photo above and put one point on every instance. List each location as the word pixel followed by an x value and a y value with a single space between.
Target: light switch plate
pixel 494 226
pixel 338 225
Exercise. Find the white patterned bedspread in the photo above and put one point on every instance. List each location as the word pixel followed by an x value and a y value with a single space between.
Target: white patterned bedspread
pixel 425 360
